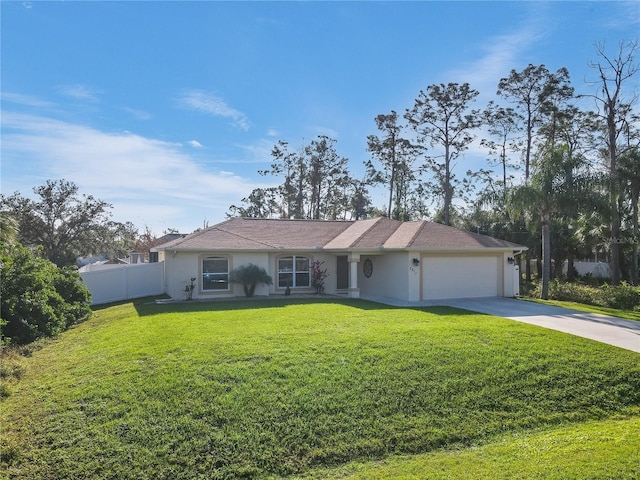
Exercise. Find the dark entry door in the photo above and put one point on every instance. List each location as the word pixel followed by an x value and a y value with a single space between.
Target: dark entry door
pixel 342 273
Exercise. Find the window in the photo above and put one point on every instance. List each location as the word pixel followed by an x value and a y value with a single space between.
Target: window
pixel 293 272
pixel 215 273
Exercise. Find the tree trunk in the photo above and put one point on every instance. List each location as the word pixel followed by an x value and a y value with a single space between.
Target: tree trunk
pixel 615 224
pixel 634 266
pixel 571 277
pixel 546 257
pixel 447 186
pixel 249 289
pixel 610 107
pixel 393 180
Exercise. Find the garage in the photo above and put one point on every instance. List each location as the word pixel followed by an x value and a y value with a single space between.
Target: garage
pixel 461 276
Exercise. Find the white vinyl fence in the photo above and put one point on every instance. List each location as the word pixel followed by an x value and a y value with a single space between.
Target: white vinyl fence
pixel 595 269
pixel 124 282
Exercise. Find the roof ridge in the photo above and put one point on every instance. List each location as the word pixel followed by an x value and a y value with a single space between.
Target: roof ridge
pixel 401 225
pixel 201 231
pixel 423 224
pixel 376 220
pixel 317 220
pixel 484 235
pixel 344 236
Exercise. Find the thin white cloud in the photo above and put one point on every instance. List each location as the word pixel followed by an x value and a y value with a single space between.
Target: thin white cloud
pixel 502 53
pixel 209 103
pixel 125 169
pixel 318 130
pixel 627 16
pixel 195 144
pixel 257 152
pixel 80 92
pixel 26 100
pixel 138 114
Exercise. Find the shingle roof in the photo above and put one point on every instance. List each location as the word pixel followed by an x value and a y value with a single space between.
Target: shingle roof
pixel 377 236
pixel 352 234
pixel 167 237
pixel 437 236
pixel 404 235
pixel 377 233
pixel 262 234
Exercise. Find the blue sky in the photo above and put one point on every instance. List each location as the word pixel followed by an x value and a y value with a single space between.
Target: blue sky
pixel 167 110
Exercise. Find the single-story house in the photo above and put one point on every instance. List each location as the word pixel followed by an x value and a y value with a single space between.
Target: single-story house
pixel 373 258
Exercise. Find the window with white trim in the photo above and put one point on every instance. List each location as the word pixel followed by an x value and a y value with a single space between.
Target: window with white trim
pixel 293 272
pixel 215 274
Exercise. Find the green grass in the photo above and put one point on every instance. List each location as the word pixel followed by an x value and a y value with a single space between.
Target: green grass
pixel 613 312
pixel 594 450
pixel 268 389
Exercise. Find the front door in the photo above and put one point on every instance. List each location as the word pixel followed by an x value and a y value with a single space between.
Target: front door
pixel 342 273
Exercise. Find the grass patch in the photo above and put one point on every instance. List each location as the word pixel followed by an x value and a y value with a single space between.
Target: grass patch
pixel 13 364
pixel 595 449
pixel 275 388
pixel 613 312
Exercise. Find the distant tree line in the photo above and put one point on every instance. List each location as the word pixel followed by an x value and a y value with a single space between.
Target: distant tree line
pixel 560 179
pixel 316 184
pixel 67 225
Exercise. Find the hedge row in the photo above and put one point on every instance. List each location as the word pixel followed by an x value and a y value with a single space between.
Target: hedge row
pixel 623 296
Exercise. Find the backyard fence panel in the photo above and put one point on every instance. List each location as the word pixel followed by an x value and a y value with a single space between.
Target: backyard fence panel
pixel 124 282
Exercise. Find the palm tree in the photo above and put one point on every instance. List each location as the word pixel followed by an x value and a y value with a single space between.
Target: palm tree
pixel 249 276
pixel 553 190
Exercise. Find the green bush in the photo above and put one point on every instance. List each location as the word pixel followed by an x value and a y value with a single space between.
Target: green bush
pixel 574 292
pixel 623 296
pixel 75 294
pixel 38 298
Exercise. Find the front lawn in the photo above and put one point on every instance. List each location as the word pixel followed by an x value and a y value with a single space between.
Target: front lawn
pixel 283 387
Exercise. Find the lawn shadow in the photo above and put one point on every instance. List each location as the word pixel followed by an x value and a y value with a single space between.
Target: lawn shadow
pixel 446 311
pixel 149 306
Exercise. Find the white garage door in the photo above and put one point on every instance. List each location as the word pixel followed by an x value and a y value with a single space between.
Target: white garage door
pixel 460 277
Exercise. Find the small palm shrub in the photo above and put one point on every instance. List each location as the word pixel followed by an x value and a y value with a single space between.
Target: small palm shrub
pixel 249 276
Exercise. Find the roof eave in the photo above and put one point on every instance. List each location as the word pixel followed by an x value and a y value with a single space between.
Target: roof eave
pixel 467 249
pixel 361 251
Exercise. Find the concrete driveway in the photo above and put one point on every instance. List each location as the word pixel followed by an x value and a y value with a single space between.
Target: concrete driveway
pixel 612 330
